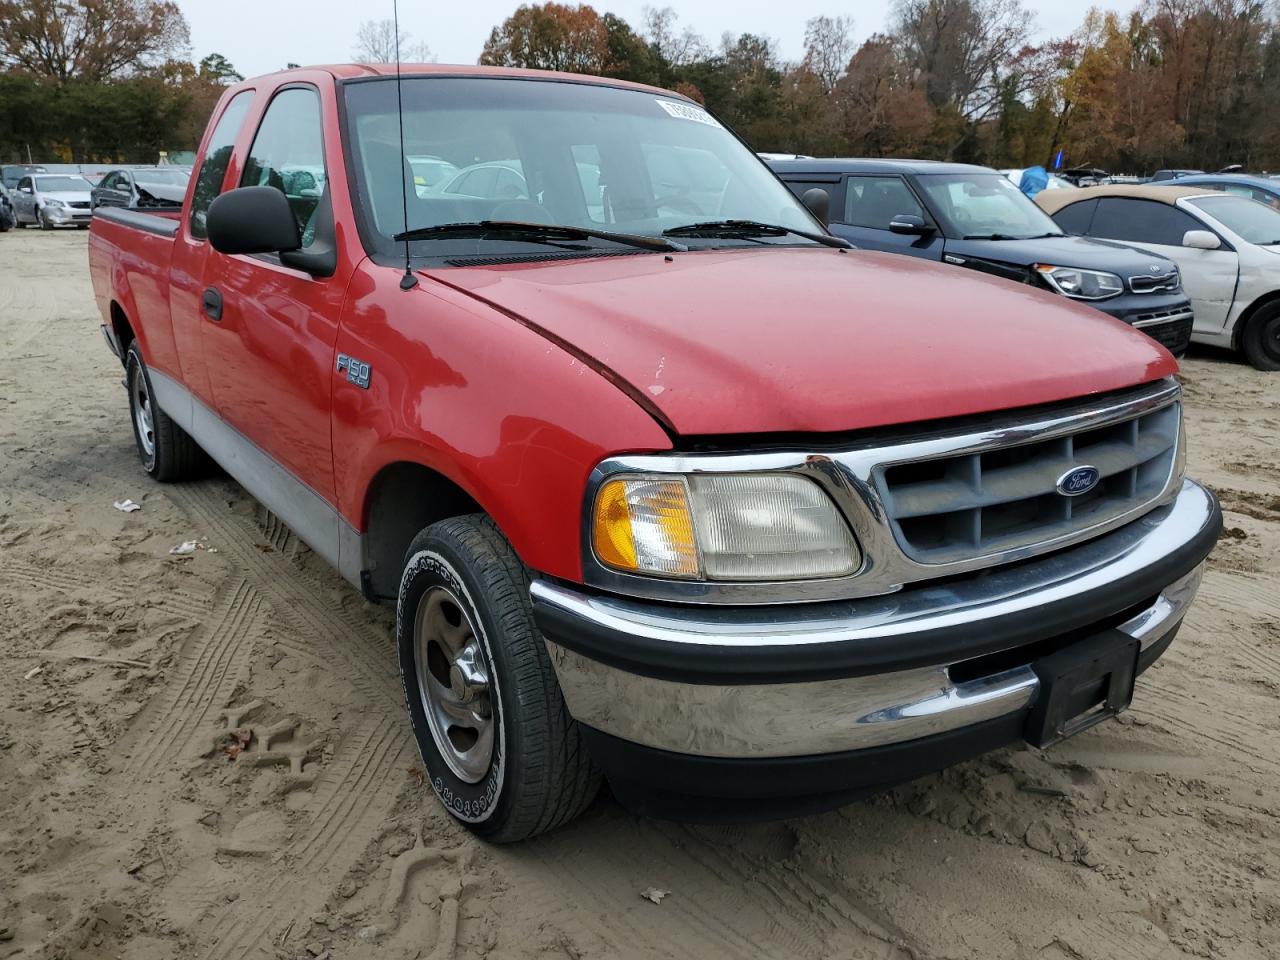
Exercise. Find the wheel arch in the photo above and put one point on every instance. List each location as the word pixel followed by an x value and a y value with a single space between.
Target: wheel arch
pixel 1267 299
pixel 403 498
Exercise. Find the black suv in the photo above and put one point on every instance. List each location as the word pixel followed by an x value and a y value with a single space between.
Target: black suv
pixel 976 217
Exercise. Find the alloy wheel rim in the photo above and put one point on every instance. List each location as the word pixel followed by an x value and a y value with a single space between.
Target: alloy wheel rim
pixel 142 414
pixel 453 683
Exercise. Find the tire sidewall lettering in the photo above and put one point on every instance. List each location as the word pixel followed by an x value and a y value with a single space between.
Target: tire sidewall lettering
pixel 472 803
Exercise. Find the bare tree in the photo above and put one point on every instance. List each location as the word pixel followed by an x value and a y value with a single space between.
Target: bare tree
pixel 678 47
pixel 959 48
pixel 376 43
pixel 89 39
pixel 828 48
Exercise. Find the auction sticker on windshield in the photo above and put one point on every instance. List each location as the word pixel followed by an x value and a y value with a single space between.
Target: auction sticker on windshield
pixel 687 111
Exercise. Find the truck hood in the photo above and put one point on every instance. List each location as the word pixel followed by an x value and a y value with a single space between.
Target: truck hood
pixel 1085 253
pixel 814 340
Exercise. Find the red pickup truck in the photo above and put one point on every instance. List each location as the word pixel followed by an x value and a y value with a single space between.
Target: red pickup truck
pixel 668 484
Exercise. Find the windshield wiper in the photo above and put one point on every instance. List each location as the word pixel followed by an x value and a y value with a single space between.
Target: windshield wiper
pixel 533 233
pixel 751 228
pixel 1007 236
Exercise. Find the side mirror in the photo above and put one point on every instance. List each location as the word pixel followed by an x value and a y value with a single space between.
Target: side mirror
pixel 24 189
pixel 818 202
pixel 1201 240
pixel 910 225
pixel 252 220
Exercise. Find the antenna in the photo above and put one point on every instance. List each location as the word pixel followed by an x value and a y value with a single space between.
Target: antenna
pixel 408 281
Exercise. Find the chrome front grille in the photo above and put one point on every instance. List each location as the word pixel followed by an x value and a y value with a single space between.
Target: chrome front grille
pixel 1155 283
pixel 938 500
pixel 977 504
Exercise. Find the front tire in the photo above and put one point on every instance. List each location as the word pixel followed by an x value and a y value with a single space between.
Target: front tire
pixel 44 222
pixel 166 450
pixel 1261 339
pixel 498 744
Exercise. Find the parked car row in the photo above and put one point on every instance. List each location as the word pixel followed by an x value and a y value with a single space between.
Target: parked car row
pixel 1196 260
pixel 1226 246
pixel 51 200
pixel 976 218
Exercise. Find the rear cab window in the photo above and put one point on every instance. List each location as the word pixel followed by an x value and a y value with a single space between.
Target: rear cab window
pixel 217 156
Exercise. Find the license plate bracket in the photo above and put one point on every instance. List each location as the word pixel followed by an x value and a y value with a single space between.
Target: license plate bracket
pixel 1082 685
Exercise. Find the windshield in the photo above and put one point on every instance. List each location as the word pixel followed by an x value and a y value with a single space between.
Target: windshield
pixel 172 178
pixel 980 206
pixel 62 184
pixel 1252 221
pixel 571 154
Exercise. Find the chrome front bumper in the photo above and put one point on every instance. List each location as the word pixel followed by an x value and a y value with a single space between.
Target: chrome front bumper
pixel 641 697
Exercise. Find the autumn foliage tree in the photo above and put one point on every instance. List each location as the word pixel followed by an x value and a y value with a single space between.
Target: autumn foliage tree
pixel 89 39
pixel 552 36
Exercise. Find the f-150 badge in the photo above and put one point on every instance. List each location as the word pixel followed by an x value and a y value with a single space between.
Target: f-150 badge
pixel 357 370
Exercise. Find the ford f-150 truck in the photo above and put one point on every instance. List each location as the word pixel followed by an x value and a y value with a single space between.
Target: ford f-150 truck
pixel 655 497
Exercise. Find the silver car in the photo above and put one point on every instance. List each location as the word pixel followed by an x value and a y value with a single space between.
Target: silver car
pixel 53 200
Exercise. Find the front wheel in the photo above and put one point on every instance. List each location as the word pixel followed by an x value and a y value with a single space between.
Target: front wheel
pixel 499 747
pixel 44 222
pixel 1261 339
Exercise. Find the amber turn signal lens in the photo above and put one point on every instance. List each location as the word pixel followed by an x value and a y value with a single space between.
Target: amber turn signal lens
pixel 643 525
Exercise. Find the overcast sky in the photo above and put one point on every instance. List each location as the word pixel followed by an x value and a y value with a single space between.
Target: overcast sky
pixel 259 36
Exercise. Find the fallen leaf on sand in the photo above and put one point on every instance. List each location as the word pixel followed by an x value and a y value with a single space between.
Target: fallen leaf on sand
pixel 653 894
pixel 127 506
pixel 184 548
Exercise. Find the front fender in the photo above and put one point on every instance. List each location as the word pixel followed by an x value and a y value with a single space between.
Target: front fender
pixel 457 387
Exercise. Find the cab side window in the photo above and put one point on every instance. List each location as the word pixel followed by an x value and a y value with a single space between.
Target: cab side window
pixel 288 154
pixel 1141 221
pixel 217 156
pixel 874 201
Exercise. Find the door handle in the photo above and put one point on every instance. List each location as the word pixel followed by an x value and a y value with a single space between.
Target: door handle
pixel 212 302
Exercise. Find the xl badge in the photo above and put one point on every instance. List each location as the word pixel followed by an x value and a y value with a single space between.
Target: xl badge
pixel 1078 480
pixel 357 370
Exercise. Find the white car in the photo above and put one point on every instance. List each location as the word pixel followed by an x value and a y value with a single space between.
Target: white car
pixel 1055 181
pixel 1226 246
pixel 53 200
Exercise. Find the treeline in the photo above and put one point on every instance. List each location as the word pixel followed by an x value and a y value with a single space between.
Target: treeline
pixel 1173 83
pixel 101 80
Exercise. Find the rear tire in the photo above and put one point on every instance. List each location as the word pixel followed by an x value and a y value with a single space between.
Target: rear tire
pixel 498 744
pixel 167 452
pixel 1261 339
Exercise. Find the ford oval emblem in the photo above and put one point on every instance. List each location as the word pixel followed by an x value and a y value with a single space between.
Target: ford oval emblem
pixel 1078 480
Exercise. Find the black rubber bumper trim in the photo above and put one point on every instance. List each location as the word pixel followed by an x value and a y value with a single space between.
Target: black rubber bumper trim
pixel 709 664
pixel 676 786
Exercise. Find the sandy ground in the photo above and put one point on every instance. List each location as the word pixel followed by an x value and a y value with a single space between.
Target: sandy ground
pixel 127 831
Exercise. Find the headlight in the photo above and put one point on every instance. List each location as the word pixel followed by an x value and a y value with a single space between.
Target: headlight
pixel 1081 284
pixel 50 202
pixel 721 527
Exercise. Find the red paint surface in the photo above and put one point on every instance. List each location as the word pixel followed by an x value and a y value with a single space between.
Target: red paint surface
pixel 804 340
pixel 515 382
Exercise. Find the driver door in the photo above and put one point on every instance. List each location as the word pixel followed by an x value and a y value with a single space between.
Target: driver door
pixel 270 348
